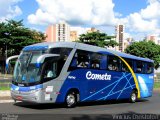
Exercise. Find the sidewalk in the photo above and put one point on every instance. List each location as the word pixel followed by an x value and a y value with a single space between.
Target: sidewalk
pixel 157 89
pixel 5 96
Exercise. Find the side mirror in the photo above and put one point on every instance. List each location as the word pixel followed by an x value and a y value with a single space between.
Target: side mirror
pixel 8 60
pixel 41 58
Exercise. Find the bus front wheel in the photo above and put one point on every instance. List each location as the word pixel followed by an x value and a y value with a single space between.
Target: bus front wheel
pixel 133 96
pixel 71 99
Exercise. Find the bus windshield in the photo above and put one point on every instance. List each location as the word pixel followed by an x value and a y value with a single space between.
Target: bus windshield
pixel 25 69
pixel 27 73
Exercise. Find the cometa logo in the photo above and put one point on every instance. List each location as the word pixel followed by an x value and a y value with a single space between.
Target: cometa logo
pixel 92 76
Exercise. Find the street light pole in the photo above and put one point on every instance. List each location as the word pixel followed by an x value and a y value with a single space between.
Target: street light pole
pixel 6 52
pixel 7 36
pixel 6 55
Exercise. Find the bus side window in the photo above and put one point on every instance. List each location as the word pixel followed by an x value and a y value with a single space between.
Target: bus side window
pixel 95 64
pixel 103 62
pixel 139 67
pixel 74 62
pixel 95 61
pixel 80 60
pixel 50 70
pixel 98 61
pixel 61 50
pixel 125 67
pixel 150 68
pixel 113 63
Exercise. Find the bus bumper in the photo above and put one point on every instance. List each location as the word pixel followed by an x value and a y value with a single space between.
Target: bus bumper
pixel 31 96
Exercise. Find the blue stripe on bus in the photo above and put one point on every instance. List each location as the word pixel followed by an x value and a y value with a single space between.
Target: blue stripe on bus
pixel 121 54
pixel 28 48
pixel 25 89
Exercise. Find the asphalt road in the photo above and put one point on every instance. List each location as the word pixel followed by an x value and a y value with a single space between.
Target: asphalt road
pixel 147 106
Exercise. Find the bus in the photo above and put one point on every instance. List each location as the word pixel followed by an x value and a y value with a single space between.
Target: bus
pixel 70 72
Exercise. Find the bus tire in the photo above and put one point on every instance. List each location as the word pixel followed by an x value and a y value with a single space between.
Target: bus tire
pixel 133 96
pixel 71 99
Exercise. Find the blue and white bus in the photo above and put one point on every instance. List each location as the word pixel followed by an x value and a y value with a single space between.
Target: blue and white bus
pixel 69 72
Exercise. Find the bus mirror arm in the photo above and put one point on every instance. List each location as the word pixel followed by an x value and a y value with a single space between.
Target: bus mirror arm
pixel 8 60
pixel 41 58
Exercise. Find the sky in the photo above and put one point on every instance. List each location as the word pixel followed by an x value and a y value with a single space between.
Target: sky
pixel 140 17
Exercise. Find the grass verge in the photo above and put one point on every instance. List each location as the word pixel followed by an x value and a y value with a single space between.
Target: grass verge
pixel 4 88
pixel 157 85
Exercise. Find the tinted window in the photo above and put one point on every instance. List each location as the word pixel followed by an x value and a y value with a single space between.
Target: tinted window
pixel 113 63
pixel 125 67
pixel 98 61
pixel 149 68
pixel 86 59
pixel 80 59
pixel 139 67
pixel 61 50
pixel 95 61
pixel 50 70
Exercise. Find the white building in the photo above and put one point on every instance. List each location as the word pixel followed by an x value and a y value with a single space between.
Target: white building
pixel 58 32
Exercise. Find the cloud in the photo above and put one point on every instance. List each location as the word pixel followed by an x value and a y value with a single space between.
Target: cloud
pixel 152 11
pixel 99 14
pixel 144 22
pixel 79 29
pixel 9 9
pixel 137 23
pixel 117 14
pixel 75 12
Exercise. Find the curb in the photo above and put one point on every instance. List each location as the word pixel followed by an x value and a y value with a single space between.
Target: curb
pixel 5 97
pixel 157 89
pixel 5 93
pixel 6 101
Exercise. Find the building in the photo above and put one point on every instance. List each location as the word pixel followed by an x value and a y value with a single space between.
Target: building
pixel 159 41
pixel 153 38
pixel 128 42
pixel 73 35
pixel 120 37
pixel 58 32
pixel 92 30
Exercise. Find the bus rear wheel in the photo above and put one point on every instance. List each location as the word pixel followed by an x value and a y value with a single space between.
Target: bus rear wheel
pixel 71 99
pixel 133 96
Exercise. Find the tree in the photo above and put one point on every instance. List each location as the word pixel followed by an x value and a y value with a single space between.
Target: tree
pixel 14 36
pixel 145 49
pixel 98 39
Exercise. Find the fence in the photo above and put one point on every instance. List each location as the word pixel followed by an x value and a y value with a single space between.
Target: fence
pixel 157 80
pixel 157 77
pixel 5 81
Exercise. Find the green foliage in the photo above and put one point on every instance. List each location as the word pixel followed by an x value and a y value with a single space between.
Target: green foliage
pixel 4 88
pixel 98 39
pixel 157 85
pixel 145 49
pixel 15 36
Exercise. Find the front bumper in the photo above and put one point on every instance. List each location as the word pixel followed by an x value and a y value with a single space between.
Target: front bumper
pixel 31 96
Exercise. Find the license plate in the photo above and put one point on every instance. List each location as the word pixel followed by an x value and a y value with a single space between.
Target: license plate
pixel 19 97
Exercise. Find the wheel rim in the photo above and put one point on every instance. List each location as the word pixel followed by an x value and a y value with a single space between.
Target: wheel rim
pixel 133 97
pixel 70 99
